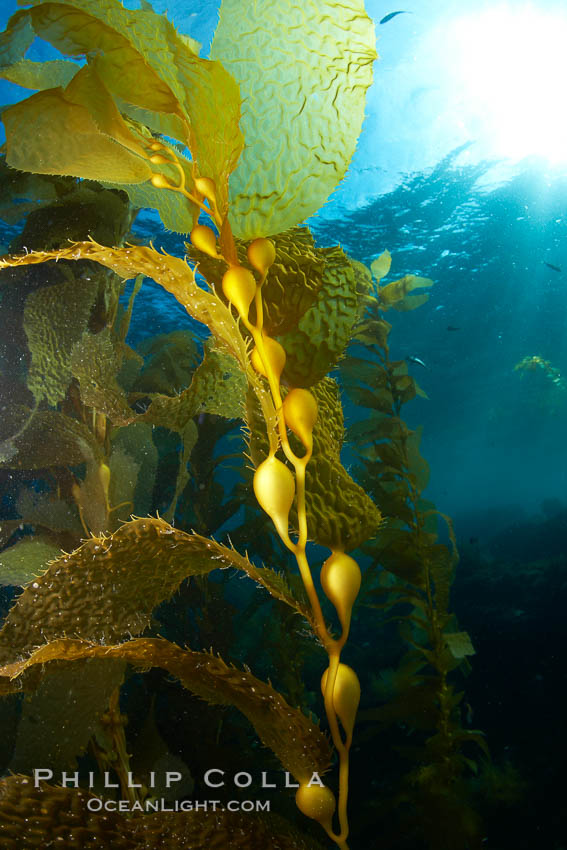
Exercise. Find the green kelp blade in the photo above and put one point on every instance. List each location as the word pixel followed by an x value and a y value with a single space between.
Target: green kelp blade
pixel 459 644
pixel 373 332
pixel 381 265
pixel 379 399
pixel 16 39
pixel 136 445
pixel 48 134
pixel 303 70
pixel 170 272
pixel 340 514
pixel 49 439
pixel 23 561
pixel 59 717
pixel 87 89
pixel 8 527
pixel 95 362
pixel 396 294
pixel 176 212
pixel 400 554
pixel 40 75
pixel 411 302
pixel 51 336
pixel 177 278
pixel 356 370
pixel 315 346
pixel 66 812
pixel 377 427
pixel 418 468
pixel 108 587
pixel 218 386
pixel 145 62
pixel 298 743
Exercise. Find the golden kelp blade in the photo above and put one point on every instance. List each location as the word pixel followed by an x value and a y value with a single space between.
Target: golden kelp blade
pixel 303 92
pixel 396 294
pixel 64 812
pixel 381 265
pixel 147 64
pixel 66 139
pixel 79 131
pixel 298 743
pixel 40 75
pixel 107 588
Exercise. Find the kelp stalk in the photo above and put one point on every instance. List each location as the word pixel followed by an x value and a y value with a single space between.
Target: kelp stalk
pixel 275 489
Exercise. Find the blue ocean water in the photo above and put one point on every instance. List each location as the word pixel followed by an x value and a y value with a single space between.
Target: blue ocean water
pixel 490 229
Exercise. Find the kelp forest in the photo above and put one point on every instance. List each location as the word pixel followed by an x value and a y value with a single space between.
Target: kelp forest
pixel 215 585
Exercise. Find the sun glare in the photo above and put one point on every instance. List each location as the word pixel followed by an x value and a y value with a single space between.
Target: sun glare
pixel 510 70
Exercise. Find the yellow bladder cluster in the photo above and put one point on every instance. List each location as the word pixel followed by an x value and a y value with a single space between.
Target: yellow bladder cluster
pixel 276 487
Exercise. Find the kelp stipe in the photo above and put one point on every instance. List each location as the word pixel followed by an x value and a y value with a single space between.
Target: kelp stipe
pixel 416 594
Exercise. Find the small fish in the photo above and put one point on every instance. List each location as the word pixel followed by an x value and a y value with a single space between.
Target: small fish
pixel 452 328
pixel 552 267
pixel 417 360
pixel 389 17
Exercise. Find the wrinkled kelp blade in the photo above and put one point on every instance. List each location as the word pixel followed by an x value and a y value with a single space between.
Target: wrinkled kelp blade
pixel 107 588
pixel 177 278
pixel 51 336
pixel 65 812
pixel 292 282
pixel 297 742
pixel 314 347
pixel 170 272
pixel 303 70
pixel 340 514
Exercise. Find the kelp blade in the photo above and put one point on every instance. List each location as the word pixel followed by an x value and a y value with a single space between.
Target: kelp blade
pixel 303 92
pixel 298 743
